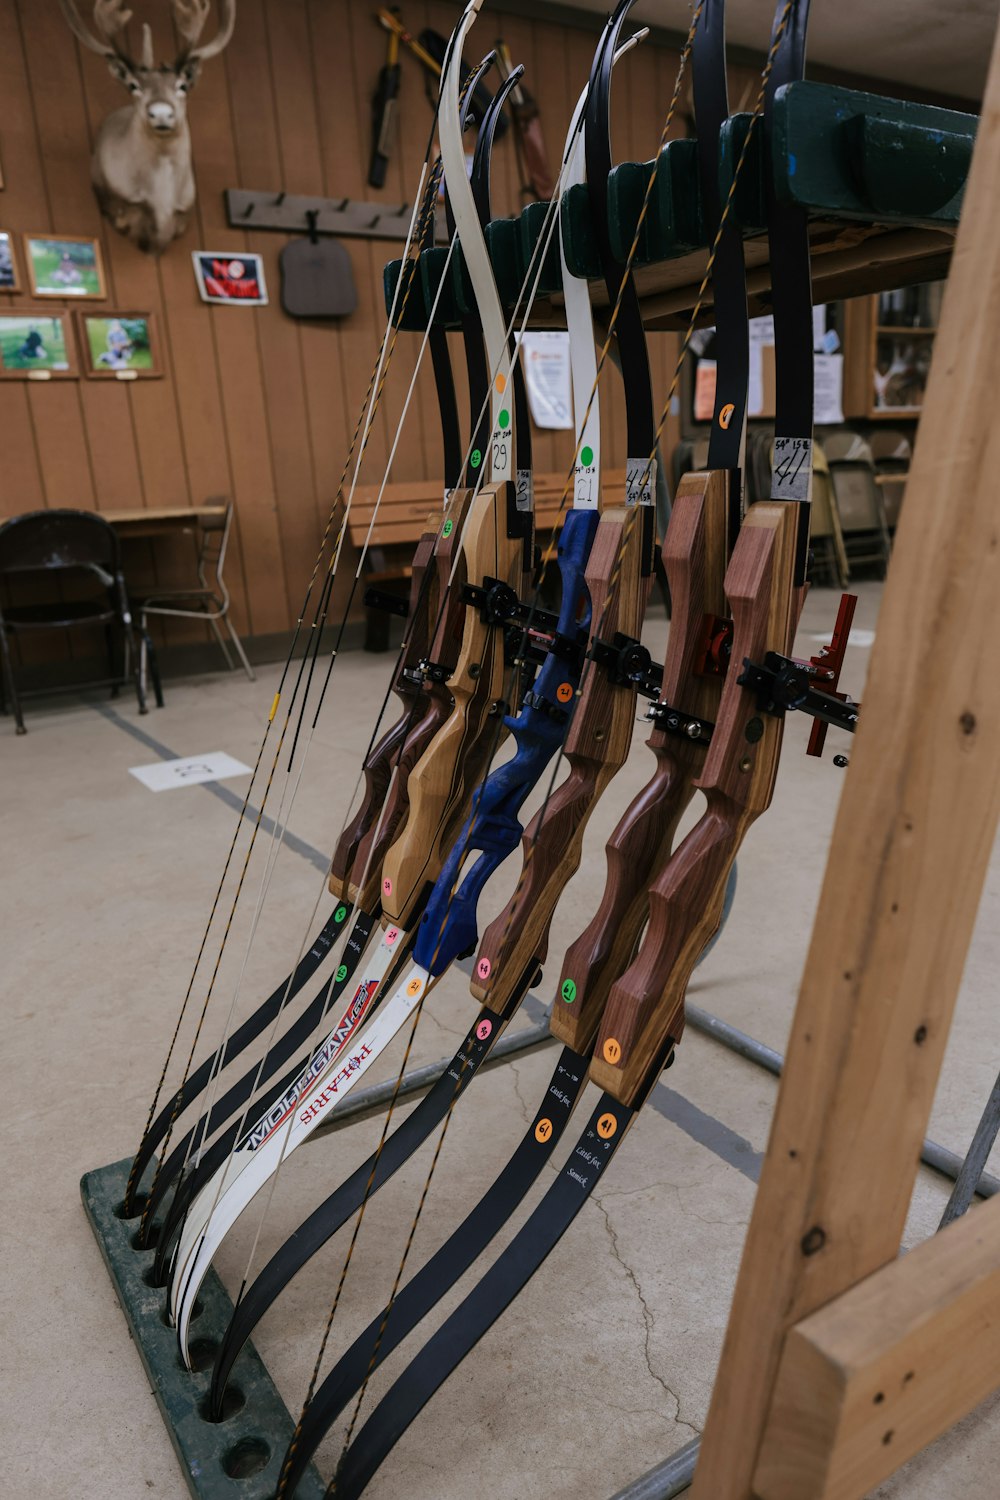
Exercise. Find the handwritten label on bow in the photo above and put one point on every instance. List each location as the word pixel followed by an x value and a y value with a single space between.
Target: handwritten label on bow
pixel 640 481
pixel 792 471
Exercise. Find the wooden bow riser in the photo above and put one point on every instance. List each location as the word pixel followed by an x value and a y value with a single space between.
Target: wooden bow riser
pixel 694 555
pixel 596 748
pixel 646 1005
pixel 378 766
pixel 363 885
pixel 442 783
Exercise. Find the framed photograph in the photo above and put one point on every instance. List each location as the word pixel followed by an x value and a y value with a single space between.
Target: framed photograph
pixel 900 370
pixel 36 345
pixel 234 279
pixel 119 346
pixel 9 280
pixel 64 265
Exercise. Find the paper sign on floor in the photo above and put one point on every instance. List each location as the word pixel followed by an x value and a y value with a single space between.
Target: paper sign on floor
pixel 192 769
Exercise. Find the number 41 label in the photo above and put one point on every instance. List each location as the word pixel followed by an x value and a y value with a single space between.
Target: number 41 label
pixel 792 471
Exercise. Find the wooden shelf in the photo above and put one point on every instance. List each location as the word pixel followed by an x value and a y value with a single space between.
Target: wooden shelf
pixel 848 260
pixel 897 330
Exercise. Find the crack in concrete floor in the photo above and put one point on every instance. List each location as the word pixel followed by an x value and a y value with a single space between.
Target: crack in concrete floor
pixel 648 1318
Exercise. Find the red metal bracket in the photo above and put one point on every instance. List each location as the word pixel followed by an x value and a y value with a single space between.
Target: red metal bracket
pixel 829 661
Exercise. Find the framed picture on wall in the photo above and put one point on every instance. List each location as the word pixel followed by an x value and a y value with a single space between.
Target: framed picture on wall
pixel 36 344
pixel 9 280
pixel 119 346
pixel 64 265
pixel 237 280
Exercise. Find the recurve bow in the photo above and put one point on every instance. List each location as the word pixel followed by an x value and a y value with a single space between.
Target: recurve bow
pixel 421 670
pixel 496 544
pixel 415 646
pixel 361 848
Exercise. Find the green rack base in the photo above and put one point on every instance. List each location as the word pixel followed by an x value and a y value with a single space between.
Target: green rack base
pixel 240 1457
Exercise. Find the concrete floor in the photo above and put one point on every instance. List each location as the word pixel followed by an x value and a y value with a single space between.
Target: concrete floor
pixel 604 1365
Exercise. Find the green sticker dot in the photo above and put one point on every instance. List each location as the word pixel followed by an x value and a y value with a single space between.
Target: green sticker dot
pixel 447 528
pixel 504 419
pixel 476 458
pixel 586 456
pixel 569 991
pixel 341 974
pixel 340 914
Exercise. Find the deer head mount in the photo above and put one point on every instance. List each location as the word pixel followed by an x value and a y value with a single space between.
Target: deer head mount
pixel 141 166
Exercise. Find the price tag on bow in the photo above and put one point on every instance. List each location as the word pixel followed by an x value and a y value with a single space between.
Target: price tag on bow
pixel 640 481
pixel 792 471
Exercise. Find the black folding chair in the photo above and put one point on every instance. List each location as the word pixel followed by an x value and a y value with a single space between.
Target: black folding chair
pixel 79 550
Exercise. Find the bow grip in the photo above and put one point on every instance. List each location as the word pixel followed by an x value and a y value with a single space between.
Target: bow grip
pixel 379 762
pixel 449 926
pixel 646 1004
pixel 694 556
pixel 572 554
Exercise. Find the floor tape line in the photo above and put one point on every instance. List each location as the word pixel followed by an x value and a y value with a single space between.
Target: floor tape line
pixel 225 794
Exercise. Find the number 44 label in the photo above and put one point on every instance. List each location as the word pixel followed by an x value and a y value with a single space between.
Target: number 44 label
pixel 792 472
pixel 640 481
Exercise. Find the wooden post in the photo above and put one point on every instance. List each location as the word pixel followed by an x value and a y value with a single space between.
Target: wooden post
pixel 907 861
pixel 878 1374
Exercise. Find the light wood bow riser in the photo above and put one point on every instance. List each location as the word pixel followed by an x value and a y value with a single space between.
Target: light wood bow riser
pixel 444 779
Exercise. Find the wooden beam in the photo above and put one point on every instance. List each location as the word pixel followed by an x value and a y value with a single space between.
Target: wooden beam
pixel 909 853
pixel 878 1374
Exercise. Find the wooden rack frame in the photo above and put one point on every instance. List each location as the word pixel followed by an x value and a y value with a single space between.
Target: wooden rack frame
pixel 840 1360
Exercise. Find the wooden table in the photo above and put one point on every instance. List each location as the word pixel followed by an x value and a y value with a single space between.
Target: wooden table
pixel 152 522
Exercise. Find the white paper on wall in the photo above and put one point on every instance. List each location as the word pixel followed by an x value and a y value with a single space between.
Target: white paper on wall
pixel 545 360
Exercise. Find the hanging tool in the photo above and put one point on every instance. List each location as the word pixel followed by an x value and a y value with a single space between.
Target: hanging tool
pixel 429 49
pixel 529 143
pixel 384 109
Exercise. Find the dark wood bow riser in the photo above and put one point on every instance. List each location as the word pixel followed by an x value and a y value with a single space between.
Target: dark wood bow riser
pixel 596 748
pixel 694 555
pixel 646 1005
pixel 379 763
pixel 357 868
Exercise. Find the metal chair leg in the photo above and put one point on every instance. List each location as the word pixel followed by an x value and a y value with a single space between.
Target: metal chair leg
pixel 149 659
pixel 222 642
pixel 133 669
pixel 109 643
pixel 238 644
pixel 9 683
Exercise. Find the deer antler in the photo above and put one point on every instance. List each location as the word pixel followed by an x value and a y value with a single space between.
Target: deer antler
pixel 191 15
pixel 109 18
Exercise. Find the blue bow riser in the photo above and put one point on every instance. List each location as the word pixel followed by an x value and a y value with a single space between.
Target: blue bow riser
pixel 449 926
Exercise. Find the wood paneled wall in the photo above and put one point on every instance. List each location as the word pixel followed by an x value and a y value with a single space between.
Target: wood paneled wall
pixel 254 404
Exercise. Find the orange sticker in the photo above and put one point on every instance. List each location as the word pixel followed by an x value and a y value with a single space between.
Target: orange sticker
pixel 612 1051
pixel 501 383
pixel 543 1130
pixel 564 692
pixel 606 1127
pixel 726 416
pixel 414 987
